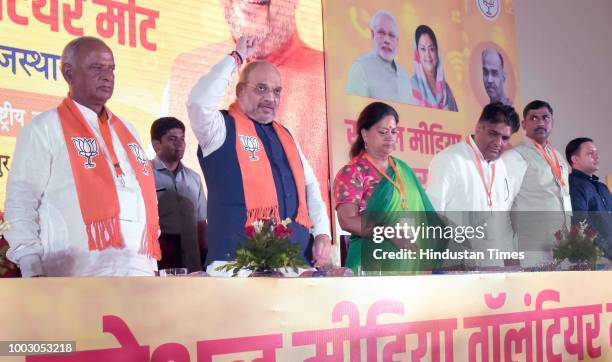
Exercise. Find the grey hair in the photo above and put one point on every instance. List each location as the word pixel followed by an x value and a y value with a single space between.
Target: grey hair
pixel 72 48
pixel 380 13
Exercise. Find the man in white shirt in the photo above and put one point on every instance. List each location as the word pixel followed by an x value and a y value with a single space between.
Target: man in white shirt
pixel 81 194
pixel 539 175
pixel 468 181
pixel 469 175
pixel 275 26
pixel 252 165
pixel 376 74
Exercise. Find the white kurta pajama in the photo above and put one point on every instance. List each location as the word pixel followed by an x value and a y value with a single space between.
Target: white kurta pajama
pixel 47 234
pixel 456 190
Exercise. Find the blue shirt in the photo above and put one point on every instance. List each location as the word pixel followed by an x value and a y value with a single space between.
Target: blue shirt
pixel 588 194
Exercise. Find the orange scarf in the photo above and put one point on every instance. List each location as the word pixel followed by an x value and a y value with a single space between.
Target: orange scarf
pixel 257 180
pixel 95 182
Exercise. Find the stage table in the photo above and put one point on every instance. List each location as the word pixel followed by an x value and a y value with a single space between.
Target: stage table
pixel 418 318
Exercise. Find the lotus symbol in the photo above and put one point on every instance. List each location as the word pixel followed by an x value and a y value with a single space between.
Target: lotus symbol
pixel 88 148
pixel 251 144
pixel 489 4
pixel 140 157
pixel 490 8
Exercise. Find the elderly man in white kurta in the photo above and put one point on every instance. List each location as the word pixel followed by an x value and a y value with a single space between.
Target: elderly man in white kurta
pixel 468 180
pixel 81 193
pixel 540 176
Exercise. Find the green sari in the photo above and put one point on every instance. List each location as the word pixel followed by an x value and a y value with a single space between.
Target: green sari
pixel 385 208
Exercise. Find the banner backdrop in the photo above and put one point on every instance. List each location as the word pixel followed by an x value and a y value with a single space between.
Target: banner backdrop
pixel 161 49
pixel 429 121
pixel 478 317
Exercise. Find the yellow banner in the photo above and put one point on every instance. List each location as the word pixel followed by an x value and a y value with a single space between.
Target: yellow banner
pixel 432 116
pixel 519 317
pixel 161 49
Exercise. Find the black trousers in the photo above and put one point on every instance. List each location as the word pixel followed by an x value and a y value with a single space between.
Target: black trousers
pixel 170 245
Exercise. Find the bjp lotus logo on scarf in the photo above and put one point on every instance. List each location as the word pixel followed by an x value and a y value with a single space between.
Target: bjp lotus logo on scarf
pixel 250 144
pixel 88 148
pixel 140 157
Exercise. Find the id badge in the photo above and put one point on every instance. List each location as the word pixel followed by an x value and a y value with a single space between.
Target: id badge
pixel 128 201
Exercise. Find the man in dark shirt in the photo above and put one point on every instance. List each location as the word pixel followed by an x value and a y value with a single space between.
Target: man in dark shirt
pixel 591 199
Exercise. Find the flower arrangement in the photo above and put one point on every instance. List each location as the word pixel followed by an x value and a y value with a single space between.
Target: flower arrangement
pixel 576 245
pixel 268 248
pixel 7 269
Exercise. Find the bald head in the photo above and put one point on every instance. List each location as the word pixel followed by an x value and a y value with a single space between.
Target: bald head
pixel 88 67
pixel 258 91
pixel 78 45
pixel 493 75
pixel 258 66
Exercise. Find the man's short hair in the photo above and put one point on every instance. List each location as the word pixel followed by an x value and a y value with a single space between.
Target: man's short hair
pixel 497 112
pixel 537 104
pixel 380 13
pixel 573 147
pixel 161 126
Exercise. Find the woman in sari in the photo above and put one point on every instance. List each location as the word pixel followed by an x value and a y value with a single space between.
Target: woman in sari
pixel 429 88
pixel 376 188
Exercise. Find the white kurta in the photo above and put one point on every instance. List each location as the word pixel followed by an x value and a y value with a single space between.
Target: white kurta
pixel 370 76
pixel 454 181
pixel 456 190
pixel 47 234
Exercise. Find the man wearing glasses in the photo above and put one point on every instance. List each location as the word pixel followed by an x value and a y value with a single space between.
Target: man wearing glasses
pixel 253 167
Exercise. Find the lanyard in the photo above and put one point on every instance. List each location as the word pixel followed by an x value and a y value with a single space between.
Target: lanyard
pixel 399 185
pixel 488 187
pixel 555 165
pixel 108 141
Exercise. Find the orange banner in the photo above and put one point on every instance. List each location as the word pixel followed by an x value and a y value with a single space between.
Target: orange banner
pixel 478 317
pixel 160 51
pixel 372 54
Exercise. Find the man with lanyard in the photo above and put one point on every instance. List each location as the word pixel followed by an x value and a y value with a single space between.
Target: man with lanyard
pixel 81 193
pixel 254 169
pixel 539 174
pixel 468 180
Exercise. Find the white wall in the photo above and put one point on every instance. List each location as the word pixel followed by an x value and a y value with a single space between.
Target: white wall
pixel 565 58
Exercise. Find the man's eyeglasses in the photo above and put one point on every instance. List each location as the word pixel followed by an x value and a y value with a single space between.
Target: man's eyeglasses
pixel 263 89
